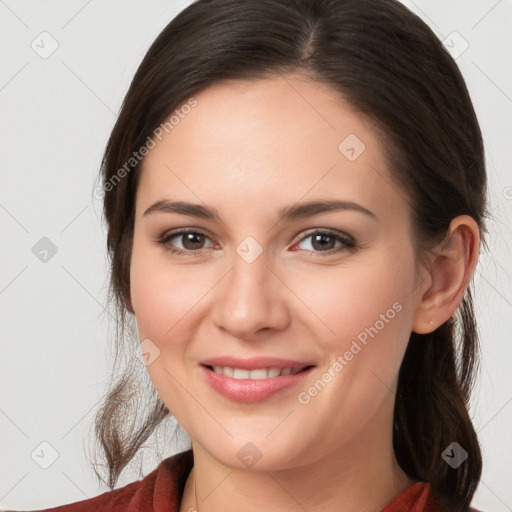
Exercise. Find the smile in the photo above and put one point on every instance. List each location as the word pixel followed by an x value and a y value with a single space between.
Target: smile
pixel 255 384
pixel 256 374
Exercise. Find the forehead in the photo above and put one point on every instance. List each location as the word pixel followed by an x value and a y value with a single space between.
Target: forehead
pixel 268 140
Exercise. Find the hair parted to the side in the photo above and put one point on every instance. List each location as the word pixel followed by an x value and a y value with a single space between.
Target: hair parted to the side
pixel 388 64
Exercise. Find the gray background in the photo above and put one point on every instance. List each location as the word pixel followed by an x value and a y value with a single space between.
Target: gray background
pixel 57 113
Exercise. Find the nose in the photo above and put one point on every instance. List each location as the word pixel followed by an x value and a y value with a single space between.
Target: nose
pixel 251 298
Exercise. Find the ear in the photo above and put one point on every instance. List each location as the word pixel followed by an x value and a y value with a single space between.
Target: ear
pixel 450 270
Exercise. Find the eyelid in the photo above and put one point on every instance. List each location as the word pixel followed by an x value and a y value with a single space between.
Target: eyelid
pixel 347 241
pixel 167 235
pixel 326 231
pixel 303 234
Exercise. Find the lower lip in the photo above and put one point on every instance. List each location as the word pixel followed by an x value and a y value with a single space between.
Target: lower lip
pixel 251 390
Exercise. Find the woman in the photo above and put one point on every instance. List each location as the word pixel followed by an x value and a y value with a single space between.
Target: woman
pixel 295 195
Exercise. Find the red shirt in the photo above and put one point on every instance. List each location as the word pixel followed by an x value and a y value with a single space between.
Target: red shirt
pixel 161 491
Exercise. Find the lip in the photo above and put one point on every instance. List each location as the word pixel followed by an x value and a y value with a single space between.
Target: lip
pixel 252 390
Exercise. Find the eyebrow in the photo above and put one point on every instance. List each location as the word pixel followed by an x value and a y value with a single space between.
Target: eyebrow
pixel 287 213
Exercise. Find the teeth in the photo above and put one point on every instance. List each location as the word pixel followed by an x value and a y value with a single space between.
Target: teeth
pixel 226 371
pixel 259 373
pixel 240 374
pixel 273 372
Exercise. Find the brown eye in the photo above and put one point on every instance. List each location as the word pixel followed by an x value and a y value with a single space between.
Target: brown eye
pixel 324 242
pixel 190 241
pixel 320 242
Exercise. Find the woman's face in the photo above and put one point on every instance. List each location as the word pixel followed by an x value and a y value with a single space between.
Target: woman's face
pixel 271 283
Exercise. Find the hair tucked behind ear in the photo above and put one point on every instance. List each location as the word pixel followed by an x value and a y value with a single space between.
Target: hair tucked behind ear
pixel 432 383
pixel 391 67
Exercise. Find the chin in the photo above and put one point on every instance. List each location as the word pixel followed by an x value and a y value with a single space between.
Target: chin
pixel 258 454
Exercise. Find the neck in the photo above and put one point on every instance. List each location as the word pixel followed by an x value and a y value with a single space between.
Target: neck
pixel 361 475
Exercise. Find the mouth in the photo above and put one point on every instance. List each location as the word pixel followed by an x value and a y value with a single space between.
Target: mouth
pixel 253 380
pixel 257 373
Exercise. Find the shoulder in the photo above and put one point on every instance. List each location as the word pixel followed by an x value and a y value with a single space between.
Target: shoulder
pixel 159 491
pixel 418 498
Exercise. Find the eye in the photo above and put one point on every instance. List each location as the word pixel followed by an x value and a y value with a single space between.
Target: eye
pixel 322 242
pixel 192 241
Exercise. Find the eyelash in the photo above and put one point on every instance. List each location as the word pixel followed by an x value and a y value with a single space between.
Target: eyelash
pixel 348 243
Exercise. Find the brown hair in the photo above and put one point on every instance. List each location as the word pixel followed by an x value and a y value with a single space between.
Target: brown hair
pixel 390 66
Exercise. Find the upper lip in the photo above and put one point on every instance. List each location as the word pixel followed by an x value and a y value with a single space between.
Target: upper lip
pixel 254 363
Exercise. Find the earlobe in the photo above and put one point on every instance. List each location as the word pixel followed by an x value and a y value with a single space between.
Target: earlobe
pixel 451 269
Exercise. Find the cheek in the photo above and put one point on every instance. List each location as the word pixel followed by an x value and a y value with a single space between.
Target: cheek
pixel 362 322
pixel 367 302
pixel 343 302
pixel 163 298
pixel 162 295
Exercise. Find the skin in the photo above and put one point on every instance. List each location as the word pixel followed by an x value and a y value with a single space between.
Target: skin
pixel 248 149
